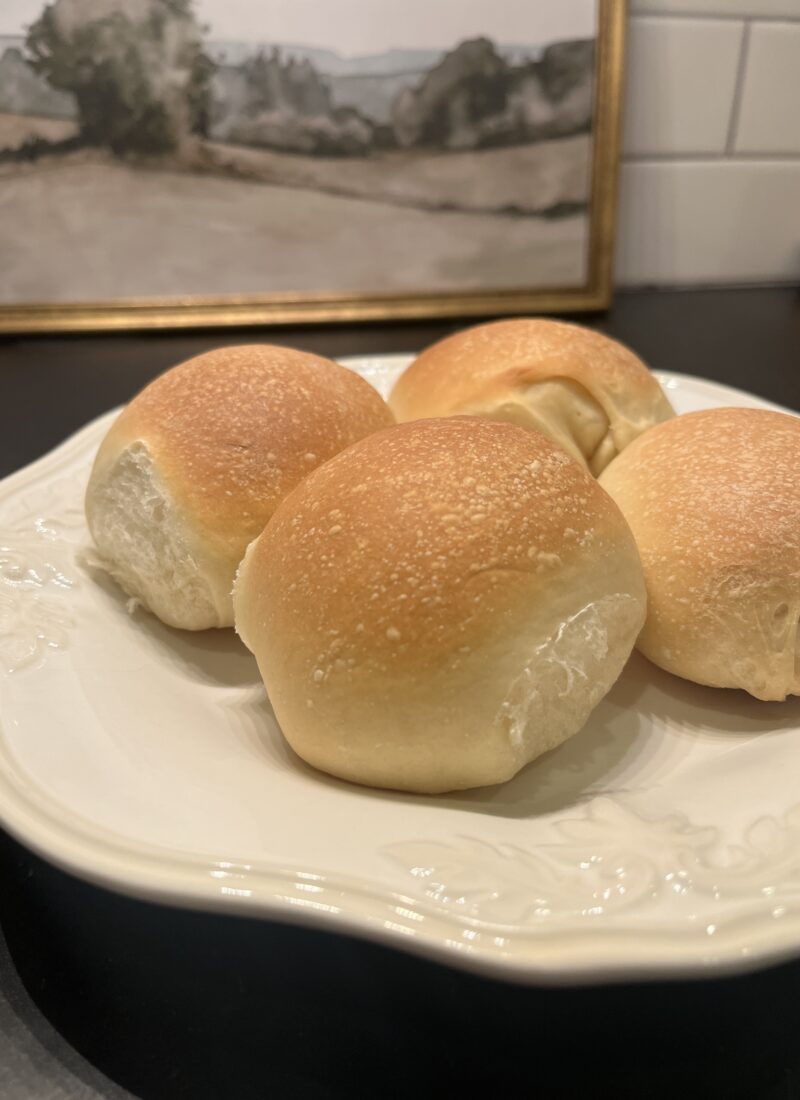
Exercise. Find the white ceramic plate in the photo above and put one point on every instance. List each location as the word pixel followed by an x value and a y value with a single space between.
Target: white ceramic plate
pixel 663 840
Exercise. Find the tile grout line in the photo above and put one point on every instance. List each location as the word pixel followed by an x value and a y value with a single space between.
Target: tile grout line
pixel 715 17
pixel 710 158
pixel 738 89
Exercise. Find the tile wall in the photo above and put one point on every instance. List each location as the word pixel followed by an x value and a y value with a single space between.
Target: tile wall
pixel 710 176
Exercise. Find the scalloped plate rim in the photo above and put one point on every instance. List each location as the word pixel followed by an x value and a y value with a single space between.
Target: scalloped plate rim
pixel 583 955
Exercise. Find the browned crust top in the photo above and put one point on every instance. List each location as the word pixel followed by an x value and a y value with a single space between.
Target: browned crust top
pixel 720 488
pixel 405 537
pixel 234 430
pixel 486 361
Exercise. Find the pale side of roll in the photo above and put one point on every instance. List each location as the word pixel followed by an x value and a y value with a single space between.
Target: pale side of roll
pixel 440 604
pixel 584 390
pixel 196 464
pixel 713 499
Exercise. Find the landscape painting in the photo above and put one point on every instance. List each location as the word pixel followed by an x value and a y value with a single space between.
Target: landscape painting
pixel 197 154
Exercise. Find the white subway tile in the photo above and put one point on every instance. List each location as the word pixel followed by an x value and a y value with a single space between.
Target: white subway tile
pixel 769 113
pixel 708 222
pixel 765 9
pixel 681 77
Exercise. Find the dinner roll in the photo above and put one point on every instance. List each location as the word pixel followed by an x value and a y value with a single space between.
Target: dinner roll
pixel 439 604
pixel 713 499
pixel 587 392
pixel 195 465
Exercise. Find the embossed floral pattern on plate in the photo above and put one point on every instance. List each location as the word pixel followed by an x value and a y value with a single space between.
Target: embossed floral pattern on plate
pixel 609 860
pixel 37 547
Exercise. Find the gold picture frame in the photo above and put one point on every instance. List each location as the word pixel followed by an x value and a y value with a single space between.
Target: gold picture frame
pixel 132 314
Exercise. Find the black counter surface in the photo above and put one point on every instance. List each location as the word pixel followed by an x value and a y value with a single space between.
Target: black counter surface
pixel 102 995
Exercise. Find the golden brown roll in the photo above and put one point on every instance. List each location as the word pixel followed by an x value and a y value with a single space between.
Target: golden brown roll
pixel 713 499
pixel 195 465
pixel 439 604
pixel 585 391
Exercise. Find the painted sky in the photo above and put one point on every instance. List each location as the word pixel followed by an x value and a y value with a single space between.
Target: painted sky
pixel 353 27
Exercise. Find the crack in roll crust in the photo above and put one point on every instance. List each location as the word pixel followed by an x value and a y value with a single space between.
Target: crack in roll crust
pixel 713 499
pixel 588 393
pixel 417 582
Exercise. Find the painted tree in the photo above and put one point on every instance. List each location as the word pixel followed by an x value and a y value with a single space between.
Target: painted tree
pixel 136 68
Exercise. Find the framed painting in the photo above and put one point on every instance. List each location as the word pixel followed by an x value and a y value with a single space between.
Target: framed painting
pixel 175 163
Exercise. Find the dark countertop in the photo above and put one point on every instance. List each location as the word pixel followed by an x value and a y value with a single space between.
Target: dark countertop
pixel 173 1004
pixel 53 386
